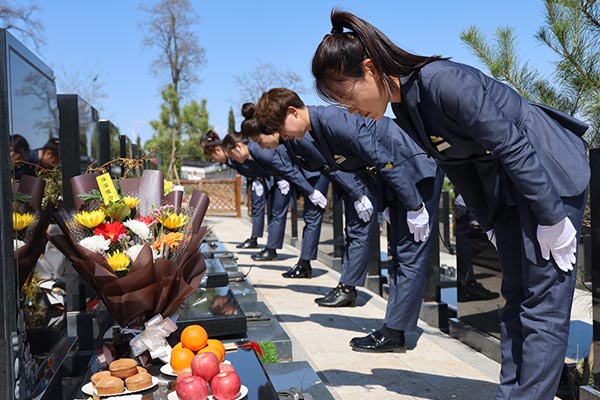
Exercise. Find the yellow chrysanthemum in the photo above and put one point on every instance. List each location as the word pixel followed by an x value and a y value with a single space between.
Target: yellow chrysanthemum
pixel 131 201
pixel 174 221
pixel 21 221
pixel 118 261
pixel 90 219
pixel 172 240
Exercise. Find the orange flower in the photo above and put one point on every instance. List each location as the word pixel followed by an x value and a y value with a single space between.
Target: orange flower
pixel 172 240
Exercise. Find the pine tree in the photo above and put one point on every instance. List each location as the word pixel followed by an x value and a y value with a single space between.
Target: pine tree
pixel 231 121
pixel 572 31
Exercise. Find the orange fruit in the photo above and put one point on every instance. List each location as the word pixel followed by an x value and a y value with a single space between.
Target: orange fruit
pixel 194 337
pixel 178 346
pixel 211 349
pixel 181 358
pixel 217 344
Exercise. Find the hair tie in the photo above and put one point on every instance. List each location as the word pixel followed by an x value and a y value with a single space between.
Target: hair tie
pixel 337 29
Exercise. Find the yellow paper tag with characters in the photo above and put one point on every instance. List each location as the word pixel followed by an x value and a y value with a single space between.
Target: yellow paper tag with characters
pixel 107 188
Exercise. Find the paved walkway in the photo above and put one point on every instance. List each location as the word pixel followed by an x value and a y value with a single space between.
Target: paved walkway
pixel 436 366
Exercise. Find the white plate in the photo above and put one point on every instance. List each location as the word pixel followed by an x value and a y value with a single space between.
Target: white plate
pixel 89 389
pixel 168 370
pixel 242 393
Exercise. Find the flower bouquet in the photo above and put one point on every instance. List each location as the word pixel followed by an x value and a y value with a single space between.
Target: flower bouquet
pixel 30 222
pixel 139 253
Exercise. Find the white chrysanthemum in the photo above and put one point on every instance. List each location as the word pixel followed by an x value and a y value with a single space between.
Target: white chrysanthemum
pixel 139 228
pixel 134 251
pixel 18 243
pixel 96 243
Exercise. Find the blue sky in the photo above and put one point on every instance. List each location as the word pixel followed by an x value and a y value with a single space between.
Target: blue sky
pixel 104 37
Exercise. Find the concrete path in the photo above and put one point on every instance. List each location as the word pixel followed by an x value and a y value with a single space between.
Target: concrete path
pixel 436 366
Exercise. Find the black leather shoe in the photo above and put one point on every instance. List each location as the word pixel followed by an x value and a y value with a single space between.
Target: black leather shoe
pixel 375 342
pixel 475 292
pixel 338 298
pixel 265 255
pixel 298 271
pixel 250 243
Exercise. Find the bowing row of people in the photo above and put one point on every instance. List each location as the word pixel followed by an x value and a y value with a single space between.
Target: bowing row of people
pixel 372 166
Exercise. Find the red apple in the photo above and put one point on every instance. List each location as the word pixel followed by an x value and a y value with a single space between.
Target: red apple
pixel 192 388
pixel 224 367
pixel 183 374
pixel 225 385
pixel 205 365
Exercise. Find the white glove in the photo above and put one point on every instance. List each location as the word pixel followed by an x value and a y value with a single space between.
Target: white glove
pixel 318 199
pixel 258 188
pixel 364 208
pixel 418 223
pixel 386 215
pixel 284 187
pixel 560 240
pixel 491 237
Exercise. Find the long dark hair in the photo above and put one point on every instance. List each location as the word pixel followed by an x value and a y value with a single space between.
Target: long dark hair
pixel 233 138
pixel 249 126
pixel 340 54
pixel 210 141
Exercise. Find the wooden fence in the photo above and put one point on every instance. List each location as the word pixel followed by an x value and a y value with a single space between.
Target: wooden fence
pixel 225 194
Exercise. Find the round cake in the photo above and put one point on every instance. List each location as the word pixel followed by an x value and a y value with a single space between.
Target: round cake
pixel 123 368
pixel 138 381
pixel 97 377
pixel 109 385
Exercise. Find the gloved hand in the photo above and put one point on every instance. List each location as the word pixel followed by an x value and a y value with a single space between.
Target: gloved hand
pixel 418 223
pixel 386 215
pixel 364 208
pixel 318 199
pixel 491 237
pixel 560 240
pixel 284 187
pixel 258 188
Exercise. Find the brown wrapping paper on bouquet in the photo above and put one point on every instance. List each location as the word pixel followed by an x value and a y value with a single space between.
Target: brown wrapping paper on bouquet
pixel 151 286
pixel 26 256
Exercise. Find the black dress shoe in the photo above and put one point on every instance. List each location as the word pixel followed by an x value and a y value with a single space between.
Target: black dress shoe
pixel 265 255
pixel 375 342
pixel 338 298
pixel 475 292
pixel 250 243
pixel 298 271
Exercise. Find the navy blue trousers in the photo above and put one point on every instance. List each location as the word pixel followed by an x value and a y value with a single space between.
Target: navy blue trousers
pixel 258 210
pixel 313 219
pixel 278 206
pixel 535 318
pixel 358 242
pixel 407 275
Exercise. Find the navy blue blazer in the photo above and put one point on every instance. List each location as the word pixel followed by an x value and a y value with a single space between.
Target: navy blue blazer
pixel 350 142
pixel 305 153
pixel 277 163
pixel 252 170
pixel 492 142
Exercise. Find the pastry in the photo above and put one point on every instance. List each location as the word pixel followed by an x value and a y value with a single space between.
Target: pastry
pixel 140 369
pixel 123 368
pixel 109 385
pixel 138 381
pixel 98 376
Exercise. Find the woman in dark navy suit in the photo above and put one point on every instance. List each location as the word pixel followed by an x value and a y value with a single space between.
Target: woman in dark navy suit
pixel 358 193
pixel 379 148
pixel 260 185
pixel 521 168
pixel 276 163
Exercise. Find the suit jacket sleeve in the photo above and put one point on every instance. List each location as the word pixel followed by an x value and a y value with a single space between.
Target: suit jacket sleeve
pixel 290 171
pixel 349 183
pixel 364 143
pixel 461 95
